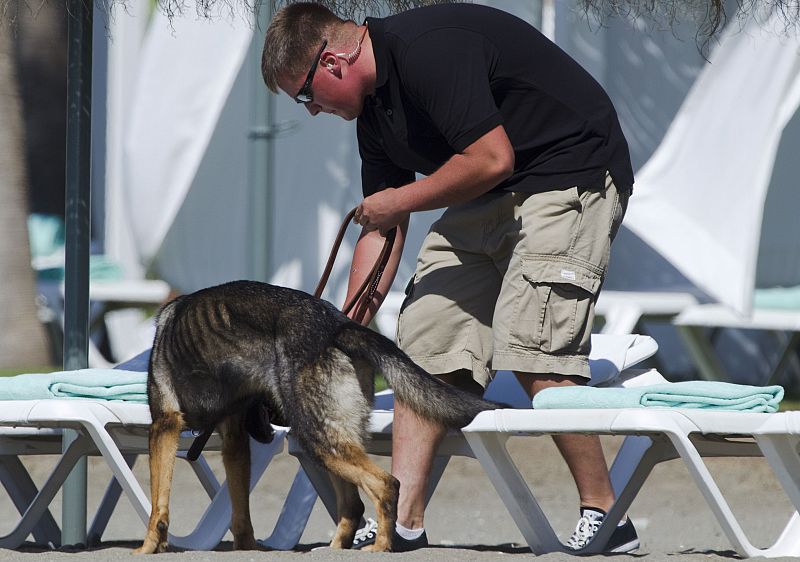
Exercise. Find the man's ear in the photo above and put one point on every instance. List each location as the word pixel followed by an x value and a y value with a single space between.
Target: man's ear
pixel 328 61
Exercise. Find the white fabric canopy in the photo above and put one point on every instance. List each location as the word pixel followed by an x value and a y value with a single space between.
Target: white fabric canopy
pixel 699 200
pixel 188 66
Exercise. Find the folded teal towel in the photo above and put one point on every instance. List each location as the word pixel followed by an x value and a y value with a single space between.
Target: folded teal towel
pixel 777 298
pixel 101 384
pixel 691 394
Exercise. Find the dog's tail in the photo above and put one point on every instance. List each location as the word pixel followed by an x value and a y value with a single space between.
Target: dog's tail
pixel 426 395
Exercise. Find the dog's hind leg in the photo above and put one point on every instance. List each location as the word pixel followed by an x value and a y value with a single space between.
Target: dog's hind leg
pixel 164 434
pixel 236 458
pixel 336 395
pixel 349 508
pixel 352 464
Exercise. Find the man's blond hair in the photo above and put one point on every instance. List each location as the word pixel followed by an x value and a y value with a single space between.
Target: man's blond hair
pixel 293 38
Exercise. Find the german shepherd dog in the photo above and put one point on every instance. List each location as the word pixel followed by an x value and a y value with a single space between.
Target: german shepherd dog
pixel 241 355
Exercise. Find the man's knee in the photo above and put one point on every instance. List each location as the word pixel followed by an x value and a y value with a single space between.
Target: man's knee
pixel 463 380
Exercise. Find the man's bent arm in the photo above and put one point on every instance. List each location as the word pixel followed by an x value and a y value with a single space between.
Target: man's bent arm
pixel 366 253
pixel 479 168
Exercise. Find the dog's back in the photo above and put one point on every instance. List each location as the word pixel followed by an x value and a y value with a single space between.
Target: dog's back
pixel 218 349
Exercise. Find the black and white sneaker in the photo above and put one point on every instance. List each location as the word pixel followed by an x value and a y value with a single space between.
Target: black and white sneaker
pixel 623 539
pixel 367 534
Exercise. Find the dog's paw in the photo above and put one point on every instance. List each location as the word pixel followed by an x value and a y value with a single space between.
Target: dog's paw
pixel 148 547
pixel 151 547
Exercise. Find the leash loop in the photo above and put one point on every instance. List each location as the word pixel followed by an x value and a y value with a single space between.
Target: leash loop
pixel 369 287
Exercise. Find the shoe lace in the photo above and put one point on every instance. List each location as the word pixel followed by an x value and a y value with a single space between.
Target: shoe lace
pixel 364 532
pixel 584 531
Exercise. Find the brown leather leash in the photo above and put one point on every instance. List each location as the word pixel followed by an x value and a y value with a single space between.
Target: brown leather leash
pixel 366 290
pixel 370 284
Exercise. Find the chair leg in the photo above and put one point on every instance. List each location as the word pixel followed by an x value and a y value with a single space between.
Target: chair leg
pixel 114 491
pixel 786 356
pixel 491 452
pixel 22 491
pixel 783 454
pixel 216 519
pixel 295 513
pixel 33 514
pixel 703 354
pixel 712 494
pixel 119 467
pixel 321 481
pixel 633 464
pixel 107 506
pixel 204 474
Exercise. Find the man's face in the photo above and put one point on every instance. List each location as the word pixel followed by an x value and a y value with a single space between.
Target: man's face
pixel 333 90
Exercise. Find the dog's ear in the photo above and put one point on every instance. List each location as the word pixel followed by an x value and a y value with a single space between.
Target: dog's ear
pixel 257 422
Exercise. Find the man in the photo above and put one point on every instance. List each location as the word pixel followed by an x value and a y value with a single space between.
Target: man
pixel 525 151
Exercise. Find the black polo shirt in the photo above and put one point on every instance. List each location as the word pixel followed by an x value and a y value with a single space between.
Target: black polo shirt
pixel 448 74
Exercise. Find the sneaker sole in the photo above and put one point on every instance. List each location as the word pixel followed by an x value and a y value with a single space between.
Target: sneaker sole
pixel 627 547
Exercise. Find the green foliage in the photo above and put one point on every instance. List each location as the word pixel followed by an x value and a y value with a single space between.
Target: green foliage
pixel 24 370
pixel 790 404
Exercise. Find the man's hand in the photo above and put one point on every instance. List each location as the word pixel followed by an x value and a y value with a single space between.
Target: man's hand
pixel 380 211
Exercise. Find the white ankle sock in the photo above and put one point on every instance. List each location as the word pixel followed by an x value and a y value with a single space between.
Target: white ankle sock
pixel 602 513
pixel 408 534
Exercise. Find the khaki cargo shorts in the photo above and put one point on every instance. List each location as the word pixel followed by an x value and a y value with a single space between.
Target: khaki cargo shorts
pixel 509 281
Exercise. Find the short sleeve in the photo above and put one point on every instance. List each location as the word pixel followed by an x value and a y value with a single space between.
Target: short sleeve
pixel 447 73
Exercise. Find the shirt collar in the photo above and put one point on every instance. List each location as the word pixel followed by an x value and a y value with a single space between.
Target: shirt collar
pixel 376 35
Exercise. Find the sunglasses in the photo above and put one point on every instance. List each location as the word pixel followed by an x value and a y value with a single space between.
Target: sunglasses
pixel 305 95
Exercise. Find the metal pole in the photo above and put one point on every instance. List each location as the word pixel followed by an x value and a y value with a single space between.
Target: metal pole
pixel 77 213
pixel 262 152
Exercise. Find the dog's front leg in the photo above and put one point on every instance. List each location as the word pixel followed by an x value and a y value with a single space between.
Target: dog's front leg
pixel 236 458
pixel 164 434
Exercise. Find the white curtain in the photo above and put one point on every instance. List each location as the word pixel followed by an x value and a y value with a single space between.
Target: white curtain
pixel 187 67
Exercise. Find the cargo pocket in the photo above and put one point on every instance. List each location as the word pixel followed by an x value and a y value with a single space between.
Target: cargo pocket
pixel 556 306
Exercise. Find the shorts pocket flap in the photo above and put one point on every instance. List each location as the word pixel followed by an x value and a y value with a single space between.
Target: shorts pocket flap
pixel 558 269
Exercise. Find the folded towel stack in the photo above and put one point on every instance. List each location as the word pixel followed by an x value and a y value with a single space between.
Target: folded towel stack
pixel 691 394
pixel 98 384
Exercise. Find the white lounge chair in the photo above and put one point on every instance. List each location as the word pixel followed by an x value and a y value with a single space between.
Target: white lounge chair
pixel 676 433
pixel 623 312
pixel 694 322
pixel 118 432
